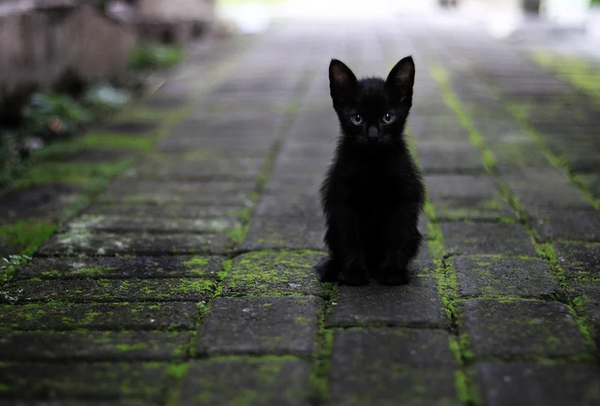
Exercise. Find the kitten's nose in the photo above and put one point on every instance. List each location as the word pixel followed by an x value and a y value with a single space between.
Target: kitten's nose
pixel 372 134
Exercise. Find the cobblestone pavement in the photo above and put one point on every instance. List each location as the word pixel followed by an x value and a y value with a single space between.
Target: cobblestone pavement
pixel 189 280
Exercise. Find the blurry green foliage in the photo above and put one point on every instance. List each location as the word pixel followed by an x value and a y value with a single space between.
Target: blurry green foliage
pixel 155 57
pixel 51 115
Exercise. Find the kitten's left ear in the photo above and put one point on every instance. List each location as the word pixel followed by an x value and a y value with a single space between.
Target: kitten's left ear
pixel 401 79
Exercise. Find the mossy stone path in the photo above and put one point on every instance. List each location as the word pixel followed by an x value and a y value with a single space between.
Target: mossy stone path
pixel 173 248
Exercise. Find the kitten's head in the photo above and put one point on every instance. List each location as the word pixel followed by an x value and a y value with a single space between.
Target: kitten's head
pixel 372 110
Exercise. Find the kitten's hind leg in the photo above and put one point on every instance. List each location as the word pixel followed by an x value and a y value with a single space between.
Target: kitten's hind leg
pixel 403 249
pixel 328 270
pixel 353 276
pixel 394 276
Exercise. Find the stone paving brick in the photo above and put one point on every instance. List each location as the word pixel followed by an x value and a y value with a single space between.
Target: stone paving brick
pixel 522 384
pixel 449 157
pixel 122 224
pixel 78 402
pixel 85 242
pixel 583 225
pixel 82 380
pixel 513 155
pixel 274 273
pixel 437 128
pixel 251 381
pixel 466 197
pixel 480 275
pixel 41 201
pixel 415 304
pixel 544 188
pixel 130 127
pixel 193 167
pixel 377 366
pixel 579 259
pixel 177 210
pixel 261 325
pixel 121 316
pixel 181 192
pixel 287 233
pixel 521 328
pixel 253 145
pixel 95 346
pixel 487 239
pixel 589 293
pixel 289 205
pixel 122 268
pixel 109 290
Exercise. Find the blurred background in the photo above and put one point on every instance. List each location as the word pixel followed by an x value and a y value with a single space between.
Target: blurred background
pixel 64 63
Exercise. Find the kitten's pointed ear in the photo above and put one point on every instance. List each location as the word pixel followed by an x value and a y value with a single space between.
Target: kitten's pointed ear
pixel 401 79
pixel 343 85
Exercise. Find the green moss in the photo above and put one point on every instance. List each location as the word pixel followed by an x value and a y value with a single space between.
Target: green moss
pixel 303 321
pixel 193 285
pixel 237 234
pixel 130 347
pixel 116 141
pixel 441 76
pixel 554 159
pixel 26 236
pixel 177 371
pixel 97 271
pixel 197 265
pixel 197 261
pixel 273 273
pixel 583 73
pixel 76 173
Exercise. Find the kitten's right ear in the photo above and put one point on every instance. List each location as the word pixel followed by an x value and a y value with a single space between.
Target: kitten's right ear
pixel 401 79
pixel 343 85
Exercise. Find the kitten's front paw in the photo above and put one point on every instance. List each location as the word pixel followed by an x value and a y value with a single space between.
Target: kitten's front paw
pixel 327 271
pixel 394 276
pixel 353 277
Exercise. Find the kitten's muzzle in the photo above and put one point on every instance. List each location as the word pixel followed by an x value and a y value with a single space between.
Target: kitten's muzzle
pixel 372 134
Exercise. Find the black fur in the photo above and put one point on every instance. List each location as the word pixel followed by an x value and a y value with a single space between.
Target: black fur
pixel 373 193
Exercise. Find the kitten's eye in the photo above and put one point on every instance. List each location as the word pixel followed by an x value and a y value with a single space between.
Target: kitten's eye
pixel 388 118
pixel 356 119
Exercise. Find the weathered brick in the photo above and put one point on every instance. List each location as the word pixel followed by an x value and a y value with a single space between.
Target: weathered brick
pixel 123 316
pixel 538 385
pixel 544 188
pixel 589 292
pixel 480 275
pixel 415 304
pixel 449 157
pixel 258 381
pixel 261 325
pixel 581 225
pixel 578 259
pixel 95 346
pixel 466 197
pixel 286 232
pixel 31 380
pixel 274 273
pixel 77 242
pixel 377 366
pixel 486 239
pixel 141 127
pixel 179 210
pixel 521 328
pixel 137 224
pixel 110 290
pixel 289 205
pixel 122 267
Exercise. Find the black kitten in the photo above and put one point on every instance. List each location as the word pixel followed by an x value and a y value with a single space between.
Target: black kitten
pixel 373 193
